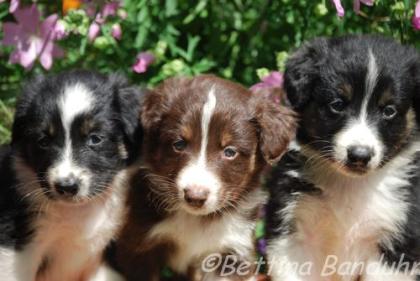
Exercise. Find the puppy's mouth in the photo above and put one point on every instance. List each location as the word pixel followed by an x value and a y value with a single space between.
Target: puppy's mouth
pixel 356 169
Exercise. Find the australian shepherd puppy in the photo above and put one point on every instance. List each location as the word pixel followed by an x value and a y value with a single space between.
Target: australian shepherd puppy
pixel 206 142
pixel 63 180
pixel 345 201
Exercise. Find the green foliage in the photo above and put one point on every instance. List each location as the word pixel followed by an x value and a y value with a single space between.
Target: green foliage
pixel 231 38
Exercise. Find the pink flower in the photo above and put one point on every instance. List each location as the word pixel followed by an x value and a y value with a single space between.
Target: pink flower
pixel 14 5
pixel 93 31
pixel 60 31
pixel 416 17
pixel 110 9
pixel 144 59
pixel 339 8
pixel 270 87
pixel 32 38
pixel 272 80
pixel 356 4
pixel 116 31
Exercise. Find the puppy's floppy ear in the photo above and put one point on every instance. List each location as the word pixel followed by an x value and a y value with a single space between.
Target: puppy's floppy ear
pixel 127 100
pixel 157 101
pixel 276 126
pixel 152 109
pixel 301 71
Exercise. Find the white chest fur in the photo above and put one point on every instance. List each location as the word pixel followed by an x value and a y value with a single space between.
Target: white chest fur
pixel 344 225
pixel 69 240
pixel 197 238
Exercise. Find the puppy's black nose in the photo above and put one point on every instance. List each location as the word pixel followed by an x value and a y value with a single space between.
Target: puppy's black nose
pixel 196 196
pixel 67 186
pixel 359 155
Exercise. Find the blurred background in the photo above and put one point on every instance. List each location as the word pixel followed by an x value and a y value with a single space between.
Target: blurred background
pixel 150 40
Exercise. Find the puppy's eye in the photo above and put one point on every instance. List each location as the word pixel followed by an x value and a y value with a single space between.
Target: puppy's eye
pixel 230 152
pixel 337 106
pixel 179 145
pixel 94 140
pixel 389 112
pixel 44 142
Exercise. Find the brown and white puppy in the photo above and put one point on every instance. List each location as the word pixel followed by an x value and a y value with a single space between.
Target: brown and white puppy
pixel 207 141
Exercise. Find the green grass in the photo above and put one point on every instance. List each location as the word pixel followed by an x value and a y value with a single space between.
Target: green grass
pixel 6 117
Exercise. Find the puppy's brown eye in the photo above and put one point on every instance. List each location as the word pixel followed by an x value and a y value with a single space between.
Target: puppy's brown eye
pixel 337 106
pixel 179 145
pixel 389 112
pixel 44 142
pixel 230 152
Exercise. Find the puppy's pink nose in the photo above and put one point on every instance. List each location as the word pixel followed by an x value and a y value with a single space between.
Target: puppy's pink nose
pixel 196 196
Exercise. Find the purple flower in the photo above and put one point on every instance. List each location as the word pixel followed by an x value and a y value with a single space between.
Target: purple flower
pixel 272 80
pixel 144 59
pixel 339 8
pixel 32 38
pixel 416 17
pixel 356 4
pixel 94 30
pixel 262 246
pixel 116 31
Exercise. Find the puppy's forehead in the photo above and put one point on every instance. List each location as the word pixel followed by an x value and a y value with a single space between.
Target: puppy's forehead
pixel 75 100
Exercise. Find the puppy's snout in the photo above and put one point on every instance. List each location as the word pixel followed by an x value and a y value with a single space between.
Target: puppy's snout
pixel 196 196
pixel 67 186
pixel 359 155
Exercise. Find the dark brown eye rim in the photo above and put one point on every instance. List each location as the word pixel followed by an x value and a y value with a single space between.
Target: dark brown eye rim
pixel 230 152
pixel 179 145
pixel 389 111
pixel 337 106
pixel 44 141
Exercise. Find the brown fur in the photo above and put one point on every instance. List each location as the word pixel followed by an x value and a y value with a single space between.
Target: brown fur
pixel 259 130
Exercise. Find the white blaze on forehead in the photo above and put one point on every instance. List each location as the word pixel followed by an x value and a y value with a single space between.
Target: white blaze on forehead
pixel 208 111
pixel 358 130
pixel 197 172
pixel 75 101
pixel 370 84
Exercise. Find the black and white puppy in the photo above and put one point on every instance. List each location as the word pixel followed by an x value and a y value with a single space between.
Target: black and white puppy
pixel 63 178
pixel 345 201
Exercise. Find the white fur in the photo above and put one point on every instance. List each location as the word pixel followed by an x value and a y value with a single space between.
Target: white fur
pixel 105 273
pixel 75 100
pixel 348 220
pixel 359 132
pixel 196 238
pixel 197 173
pixel 71 237
pixel 370 84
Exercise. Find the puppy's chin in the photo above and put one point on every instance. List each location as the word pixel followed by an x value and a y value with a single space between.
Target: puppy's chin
pixel 203 211
pixel 71 201
pixel 351 171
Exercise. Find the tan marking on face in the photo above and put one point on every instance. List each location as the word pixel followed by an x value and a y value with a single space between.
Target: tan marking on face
pixel 51 130
pixel 187 132
pixel 122 150
pixel 386 98
pixel 86 127
pixel 346 91
pixel 226 139
pixel 411 121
